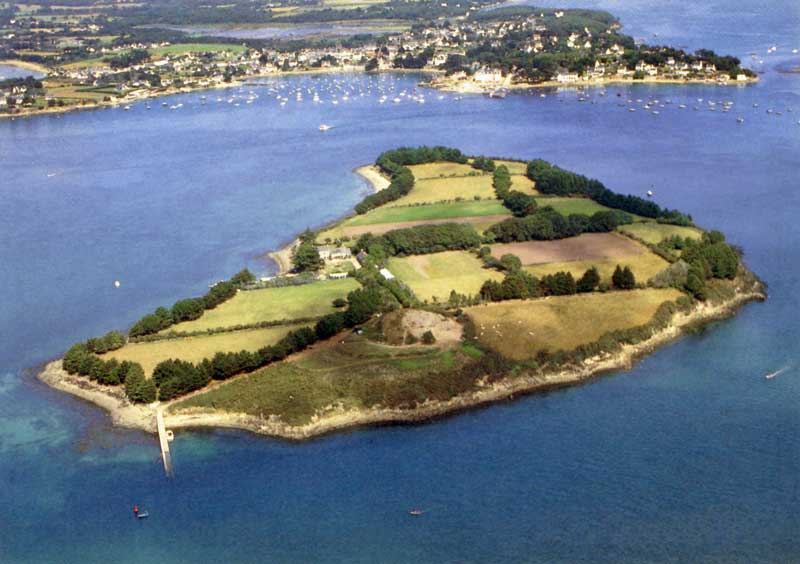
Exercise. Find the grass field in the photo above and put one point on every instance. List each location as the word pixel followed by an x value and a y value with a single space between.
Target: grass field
pixel 521 329
pixel 654 233
pixel 566 206
pixel 273 304
pixel 644 266
pixel 195 349
pixel 440 169
pixel 431 211
pixel 435 275
pixel 357 373
pixel 514 167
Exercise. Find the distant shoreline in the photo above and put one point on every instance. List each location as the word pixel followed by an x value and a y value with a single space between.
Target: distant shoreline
pixel 26 65
pixel 126 414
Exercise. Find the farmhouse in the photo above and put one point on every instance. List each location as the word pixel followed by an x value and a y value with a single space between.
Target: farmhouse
pixel 334 253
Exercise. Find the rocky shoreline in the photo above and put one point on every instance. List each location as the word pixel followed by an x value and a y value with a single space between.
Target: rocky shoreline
pixel 125 414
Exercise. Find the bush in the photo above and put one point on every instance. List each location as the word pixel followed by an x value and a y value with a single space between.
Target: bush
pixel 428 338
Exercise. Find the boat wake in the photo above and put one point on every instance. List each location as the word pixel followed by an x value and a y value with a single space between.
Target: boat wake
pixel 778 372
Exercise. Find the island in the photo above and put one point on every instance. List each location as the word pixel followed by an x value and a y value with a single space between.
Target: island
pixel 459 281
pixel 90 55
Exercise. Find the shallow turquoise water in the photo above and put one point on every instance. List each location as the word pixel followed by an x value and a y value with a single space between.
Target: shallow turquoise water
pixel 690 456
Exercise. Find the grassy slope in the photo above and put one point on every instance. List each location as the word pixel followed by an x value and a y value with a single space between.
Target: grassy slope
pixel 435 275
pixel 195 349
pixel 272 304
pixel 520 329
pixel 356 373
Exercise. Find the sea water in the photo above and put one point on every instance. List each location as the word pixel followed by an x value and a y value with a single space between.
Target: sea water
pixel 690 456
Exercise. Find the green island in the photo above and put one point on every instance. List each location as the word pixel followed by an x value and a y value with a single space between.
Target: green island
pixel 117 53
pixel 460 281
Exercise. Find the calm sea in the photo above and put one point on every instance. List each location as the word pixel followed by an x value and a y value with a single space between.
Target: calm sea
pixel 692 456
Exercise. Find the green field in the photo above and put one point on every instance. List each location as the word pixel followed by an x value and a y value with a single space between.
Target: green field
pixel 195 349
pixel 272 304
pixel 441 169
pixel 521 329
pixel 654 233
pixel 430 211
pixel 435 275
pixel 354 374
pixel 567 206
pixel 176 49
pixel 644 266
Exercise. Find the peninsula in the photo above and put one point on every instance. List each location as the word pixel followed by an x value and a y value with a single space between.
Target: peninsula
pixel 461 281
pixel 118 53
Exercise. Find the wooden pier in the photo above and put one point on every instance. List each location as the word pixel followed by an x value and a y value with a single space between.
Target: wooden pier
pixel 164 438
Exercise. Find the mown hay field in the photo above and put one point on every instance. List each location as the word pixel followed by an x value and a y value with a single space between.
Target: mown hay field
pixel 435 275
pixel 654 233
pixel 588 246
pixel 521 329
pixel 272 304
pixel 644 266
pixel 195 349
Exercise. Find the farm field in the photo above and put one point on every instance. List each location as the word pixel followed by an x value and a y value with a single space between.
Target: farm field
pixel 567 206
pixel 654 233
pixel 435 275
pixel 588 246
pixel 431 211
pixel 195 349
pixel 481 223
pixel 644 266
pixel 356 373
pixel 272 304
pixel 521 329
pixel 441 169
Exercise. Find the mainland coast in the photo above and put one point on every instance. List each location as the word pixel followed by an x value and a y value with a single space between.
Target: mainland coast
pixel 336 418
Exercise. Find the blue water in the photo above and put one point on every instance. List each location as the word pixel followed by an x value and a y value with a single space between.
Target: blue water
pixel 11 71
pixel 691 456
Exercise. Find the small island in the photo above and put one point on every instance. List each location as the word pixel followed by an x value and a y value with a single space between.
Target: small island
pixel 460 281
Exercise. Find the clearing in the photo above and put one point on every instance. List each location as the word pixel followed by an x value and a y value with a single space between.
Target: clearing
pixel 521 329
pixel 435 275
pixel 272 304
pixel 586 246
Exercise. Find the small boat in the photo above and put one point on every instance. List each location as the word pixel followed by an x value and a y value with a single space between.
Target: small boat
pixel 142 515
pixel 739 119
pixel 325 127
pixel 416 512
pixel 649 193
pixel 126 108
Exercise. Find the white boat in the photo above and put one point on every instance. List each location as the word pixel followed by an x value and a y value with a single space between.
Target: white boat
pixel 325 127
pixel 739 119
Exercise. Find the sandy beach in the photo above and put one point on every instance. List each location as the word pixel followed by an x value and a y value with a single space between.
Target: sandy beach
pixel 336 418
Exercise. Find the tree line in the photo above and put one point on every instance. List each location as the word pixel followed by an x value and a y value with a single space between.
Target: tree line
pixel 190 308
pixel 420 240
pixel 546 224
pixel 700 261
pixel 551 179
pixel 518 203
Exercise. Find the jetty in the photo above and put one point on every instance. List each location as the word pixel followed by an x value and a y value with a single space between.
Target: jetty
pixel 164 438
